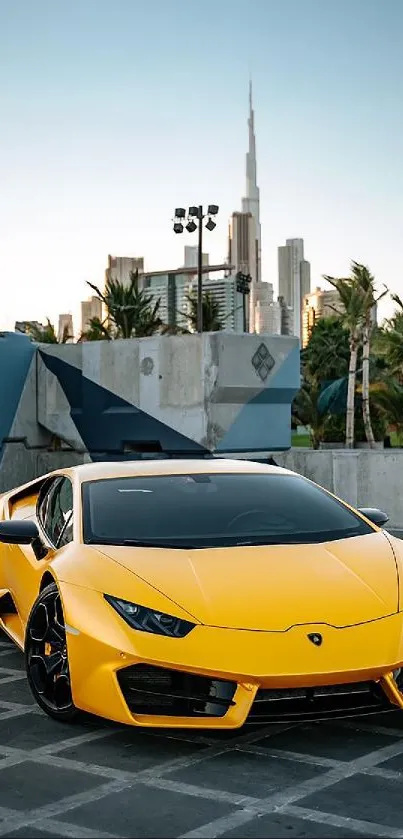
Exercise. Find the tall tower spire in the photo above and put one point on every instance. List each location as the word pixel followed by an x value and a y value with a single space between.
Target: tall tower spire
pixel 251 201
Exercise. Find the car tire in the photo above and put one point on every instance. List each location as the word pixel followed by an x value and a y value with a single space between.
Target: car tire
pixel 46 659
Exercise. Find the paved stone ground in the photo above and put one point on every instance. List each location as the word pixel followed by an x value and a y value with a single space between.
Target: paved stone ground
pixel 101 780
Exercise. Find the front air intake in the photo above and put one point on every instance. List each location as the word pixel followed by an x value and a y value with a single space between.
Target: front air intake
pixel 324 702
pixel 159 691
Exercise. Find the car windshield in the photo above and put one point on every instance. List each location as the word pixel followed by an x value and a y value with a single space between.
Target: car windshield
pixel 214 510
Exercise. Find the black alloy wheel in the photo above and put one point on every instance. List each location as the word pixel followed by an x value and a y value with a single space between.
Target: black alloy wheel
pixel 46 657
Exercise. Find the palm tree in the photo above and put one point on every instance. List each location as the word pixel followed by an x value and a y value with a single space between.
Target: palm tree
pixel 352 316
pixel 364 281
pixel 388 397
pixel 211 312
pixel 325 358
pixel 131 311
pixel 97 330
pixel 389 340
pixel 47 334
pixel 305 411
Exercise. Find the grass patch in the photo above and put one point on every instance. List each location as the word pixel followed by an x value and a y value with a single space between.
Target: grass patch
pixel 301 440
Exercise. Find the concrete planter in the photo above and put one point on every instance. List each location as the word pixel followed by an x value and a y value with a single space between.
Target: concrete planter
pixel 378 445
pixel 331 445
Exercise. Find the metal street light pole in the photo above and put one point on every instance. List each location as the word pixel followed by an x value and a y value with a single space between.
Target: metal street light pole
pixel 191 227
pixel 200 273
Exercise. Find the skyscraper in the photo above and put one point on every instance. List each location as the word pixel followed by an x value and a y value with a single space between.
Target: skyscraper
pixel 244 244
pixel 251 201
pixel 91 308
pixel 294 280
pixel 120 267
pixel 242 255
pixel 191 253
pixel 65 332
pixel 323 303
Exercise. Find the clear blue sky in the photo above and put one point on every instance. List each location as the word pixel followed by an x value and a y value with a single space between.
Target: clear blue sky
pixel 113 112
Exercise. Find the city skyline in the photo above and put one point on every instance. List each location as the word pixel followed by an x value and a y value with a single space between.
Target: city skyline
pixel 96 155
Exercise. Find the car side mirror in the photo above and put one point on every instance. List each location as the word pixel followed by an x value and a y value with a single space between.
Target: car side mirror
pixel 373 514
pixel 22 532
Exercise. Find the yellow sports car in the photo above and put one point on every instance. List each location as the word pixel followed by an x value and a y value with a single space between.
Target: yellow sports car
pixel 200 594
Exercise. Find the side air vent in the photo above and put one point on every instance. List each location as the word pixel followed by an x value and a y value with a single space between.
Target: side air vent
pixel 7 605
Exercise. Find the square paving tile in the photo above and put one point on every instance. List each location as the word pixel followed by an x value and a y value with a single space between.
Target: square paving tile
pixel 143 812
pixel 12 657
pixel 246 774
pixel 29 833
pixel 26 786
pixel 393 763
pixel 330 741
pixel 130 750
pixel 361 797
pixel 11 674
pixel 277 826
pixel 17 691
pixel 31 731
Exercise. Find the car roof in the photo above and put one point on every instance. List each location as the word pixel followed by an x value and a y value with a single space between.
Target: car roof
pixel 105 470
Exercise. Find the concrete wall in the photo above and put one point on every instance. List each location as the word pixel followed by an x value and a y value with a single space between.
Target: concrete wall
pixel 363 478
pixel 20 465
pixel 191 393
pixel 183 395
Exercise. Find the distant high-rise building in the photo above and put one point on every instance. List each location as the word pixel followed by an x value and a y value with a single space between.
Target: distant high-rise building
pixel 120 267
pixel 223 290
pixel 294 280
pixel 25 326
pixel 323 303
pixel 242 255
pixel 65 332
pixel 267 311
pixel 245 246
pixel 242 244
pixel 91 308
pixel 316 305
pixel 172 288
pixel 191 255
pixel 251 201
pixel 285 317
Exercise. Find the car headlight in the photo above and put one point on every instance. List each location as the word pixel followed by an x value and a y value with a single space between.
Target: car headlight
pixel 147 620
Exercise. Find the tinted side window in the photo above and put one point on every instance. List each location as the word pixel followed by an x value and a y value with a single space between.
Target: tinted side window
pixel 56 512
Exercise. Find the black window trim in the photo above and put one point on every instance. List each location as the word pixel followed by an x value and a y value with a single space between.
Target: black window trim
pixel 62 532
pixel 53 479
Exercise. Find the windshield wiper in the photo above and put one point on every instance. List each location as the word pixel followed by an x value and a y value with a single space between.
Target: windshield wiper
pixel 138 543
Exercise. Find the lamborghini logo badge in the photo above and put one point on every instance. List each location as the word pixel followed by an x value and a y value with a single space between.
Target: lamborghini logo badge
pixel 316 638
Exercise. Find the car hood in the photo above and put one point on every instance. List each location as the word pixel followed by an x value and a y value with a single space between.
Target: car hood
pixel 273 587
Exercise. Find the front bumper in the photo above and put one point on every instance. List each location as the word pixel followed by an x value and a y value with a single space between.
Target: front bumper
pixel 275 675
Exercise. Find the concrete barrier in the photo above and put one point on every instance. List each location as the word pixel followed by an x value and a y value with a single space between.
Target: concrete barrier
pixel 363 478
pixel 190 395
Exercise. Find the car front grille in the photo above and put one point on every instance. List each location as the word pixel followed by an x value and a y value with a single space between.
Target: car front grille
pixel 318 702
pixel 158 691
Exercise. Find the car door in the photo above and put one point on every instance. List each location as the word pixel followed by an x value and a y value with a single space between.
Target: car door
pixel 54 515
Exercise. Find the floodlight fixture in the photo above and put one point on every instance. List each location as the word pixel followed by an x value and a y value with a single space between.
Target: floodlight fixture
pixel 192 220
